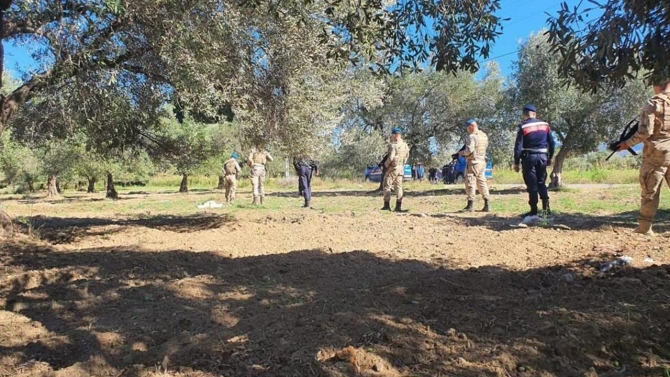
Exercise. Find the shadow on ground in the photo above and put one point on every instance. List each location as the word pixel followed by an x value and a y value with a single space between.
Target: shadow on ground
pixel 574 221
pixel 126 312
pixel 58 230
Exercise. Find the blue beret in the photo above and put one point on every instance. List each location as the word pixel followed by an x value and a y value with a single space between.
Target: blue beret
pixel 396 130
pixel 529 107
pixel 234 155
pixel 469 121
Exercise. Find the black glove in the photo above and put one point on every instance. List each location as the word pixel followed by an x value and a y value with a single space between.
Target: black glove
pixel 454 156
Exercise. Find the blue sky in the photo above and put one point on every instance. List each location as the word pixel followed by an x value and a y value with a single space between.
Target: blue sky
pixel 526 17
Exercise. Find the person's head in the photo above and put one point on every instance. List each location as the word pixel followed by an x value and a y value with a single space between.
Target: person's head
pixel 661 85
pixel 396 134
pixel 471 125
pixel 529 111
pixel 234 155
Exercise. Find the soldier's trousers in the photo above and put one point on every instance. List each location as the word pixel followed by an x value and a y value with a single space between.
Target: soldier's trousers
pixel 393 180
pixel 230 185
pixel 475 178
pixel 258 180
pixel 534 167
pixel 654 169
pixel 305 182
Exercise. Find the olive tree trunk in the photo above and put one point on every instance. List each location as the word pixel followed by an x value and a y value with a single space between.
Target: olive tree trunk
pixel 183 187
pixel 91 185
pixel 556 180
pixel 111 190
pixel 52 187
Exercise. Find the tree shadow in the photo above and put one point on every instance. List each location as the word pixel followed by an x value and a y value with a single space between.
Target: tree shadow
pixel 59 230
pixel 103 310
pixel 574 221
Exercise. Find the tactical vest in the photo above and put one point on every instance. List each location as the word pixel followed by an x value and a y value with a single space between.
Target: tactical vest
pixel 401 153
pixel 662 126
pixel 481 144
pixel 259 158
pixel 229 167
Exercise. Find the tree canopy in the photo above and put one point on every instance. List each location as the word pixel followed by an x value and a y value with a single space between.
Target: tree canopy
pixel 625 38
pixel 580 121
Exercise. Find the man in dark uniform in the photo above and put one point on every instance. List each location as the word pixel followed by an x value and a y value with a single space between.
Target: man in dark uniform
pixel 534 149
pixel 432 175
pixel 304 168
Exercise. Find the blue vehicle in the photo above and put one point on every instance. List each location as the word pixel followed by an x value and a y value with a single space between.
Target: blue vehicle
pixel 454 172
pixel 373 173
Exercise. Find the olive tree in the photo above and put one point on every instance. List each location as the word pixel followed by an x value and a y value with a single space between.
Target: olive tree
pixel 581 121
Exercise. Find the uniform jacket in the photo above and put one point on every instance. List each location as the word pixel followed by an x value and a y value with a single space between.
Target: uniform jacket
pixel 475 147
pixel 231 167
pixel 534 136
pixel 654 127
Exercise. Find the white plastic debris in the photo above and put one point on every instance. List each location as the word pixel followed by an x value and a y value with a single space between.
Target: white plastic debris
pixel 626 259
pixel 648 260
pixel 619 262
pixel 210 204
pixel 531 220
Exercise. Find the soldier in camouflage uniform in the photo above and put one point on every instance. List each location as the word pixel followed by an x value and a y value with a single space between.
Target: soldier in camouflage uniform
pixel 258 158
pixel 230 170
pixel 654 131
pixel 475 155
pixel 398 152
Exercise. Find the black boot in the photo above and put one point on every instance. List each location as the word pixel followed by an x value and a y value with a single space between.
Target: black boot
pixel 387 206
pixel 533 211
pixel 486 206
pixel 545 207
pixel 398 206
pixel 307 204
pixel 469 207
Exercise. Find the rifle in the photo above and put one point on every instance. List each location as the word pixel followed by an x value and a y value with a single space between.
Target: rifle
pixel 627 133
pixel 455 155
pixel 382 163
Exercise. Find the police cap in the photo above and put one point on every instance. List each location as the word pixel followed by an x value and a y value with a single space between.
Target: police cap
pixel 396 130
pixel 529 107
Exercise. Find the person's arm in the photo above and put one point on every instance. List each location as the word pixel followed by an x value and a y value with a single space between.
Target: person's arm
pixel 237 167
pixel 391 155
pixel 518 147
pixel 296 164
pixel 315 167
pixel 645 127
pixel 250 160
pixel 269 157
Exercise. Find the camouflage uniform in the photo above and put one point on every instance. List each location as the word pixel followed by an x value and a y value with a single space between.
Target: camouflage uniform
pixel 654 131
pixel 398 153
pixel 475 155
pixel 230 170
pixel 257 161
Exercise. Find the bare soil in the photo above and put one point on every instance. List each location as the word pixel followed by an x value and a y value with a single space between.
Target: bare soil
pixel 293 292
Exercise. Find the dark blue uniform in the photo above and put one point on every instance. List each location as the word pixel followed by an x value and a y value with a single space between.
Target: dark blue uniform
pixel 534 148
pixel 304 167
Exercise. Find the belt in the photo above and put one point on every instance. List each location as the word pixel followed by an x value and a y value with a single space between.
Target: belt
pixel 536 151
pixel 259 166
